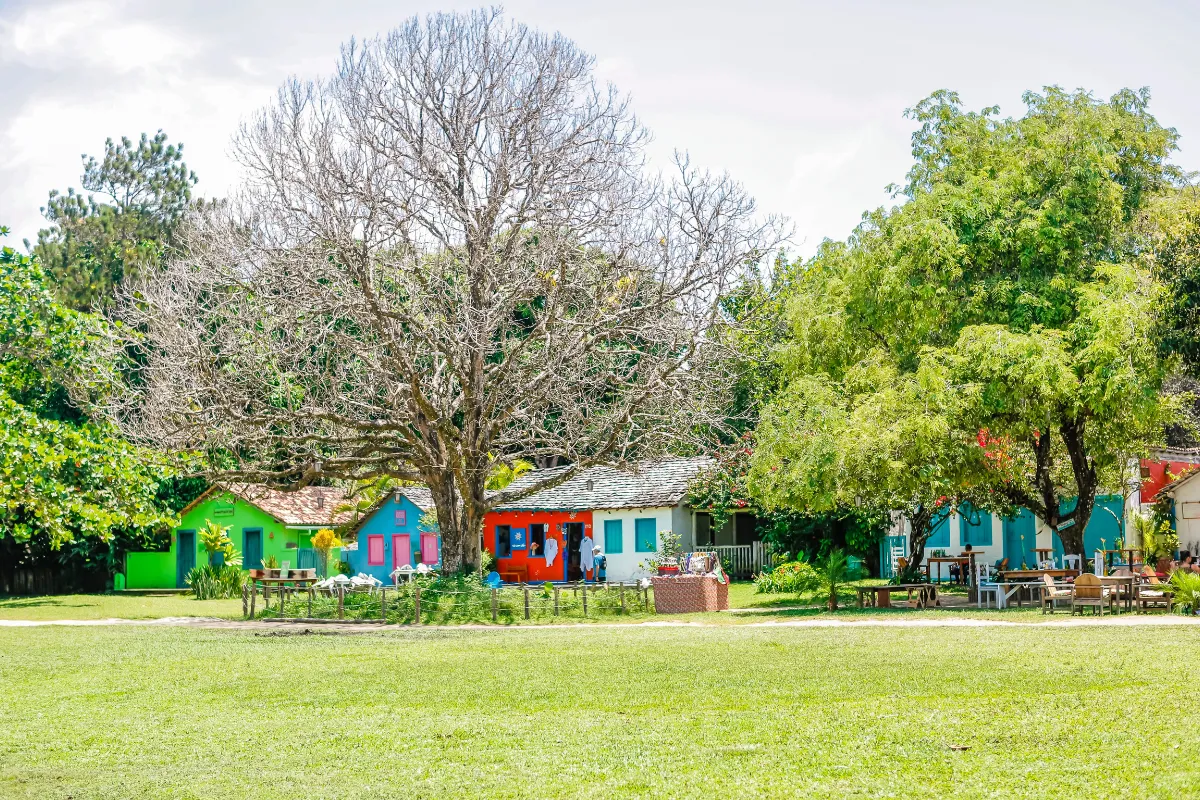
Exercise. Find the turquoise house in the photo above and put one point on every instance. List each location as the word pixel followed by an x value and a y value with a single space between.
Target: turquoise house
pixel 391 536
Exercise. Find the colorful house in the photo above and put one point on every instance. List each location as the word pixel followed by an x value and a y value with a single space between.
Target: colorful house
pixel 391 535
pixel 623 511
pixel 262 522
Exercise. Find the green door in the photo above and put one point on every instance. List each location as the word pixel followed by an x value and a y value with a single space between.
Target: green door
pixel 252 548
pixel 185 556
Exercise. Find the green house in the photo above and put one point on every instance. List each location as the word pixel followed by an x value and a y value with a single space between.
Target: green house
pixel 262 522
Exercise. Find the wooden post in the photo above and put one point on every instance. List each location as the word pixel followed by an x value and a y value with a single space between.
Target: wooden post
pixel 526 602
pixel 417 605
pixel 310 599
pixel 253 597
pixel 495 602
pixel 341 602
pixel 585 598
pixel 245 600
pixel 383 604
pixel 622 585
pixel 556 601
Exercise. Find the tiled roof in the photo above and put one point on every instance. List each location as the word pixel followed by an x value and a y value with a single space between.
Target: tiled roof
pixel 420 496
pixel 1169 489
pixel 311 505
pixel 651 484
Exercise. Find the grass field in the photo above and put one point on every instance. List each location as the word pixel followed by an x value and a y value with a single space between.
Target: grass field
pixel 115 606
pixel 726 712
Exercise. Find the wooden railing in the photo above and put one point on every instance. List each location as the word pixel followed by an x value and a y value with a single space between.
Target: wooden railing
pixel 741 560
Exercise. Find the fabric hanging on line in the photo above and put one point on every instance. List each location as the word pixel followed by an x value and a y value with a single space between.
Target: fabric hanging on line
pixel 585 554
pixel 551 550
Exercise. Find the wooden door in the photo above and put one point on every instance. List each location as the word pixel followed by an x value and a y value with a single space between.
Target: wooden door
pixel 185 556
pixel 402 551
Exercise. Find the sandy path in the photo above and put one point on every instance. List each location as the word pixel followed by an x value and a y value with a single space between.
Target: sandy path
pixel 1126 620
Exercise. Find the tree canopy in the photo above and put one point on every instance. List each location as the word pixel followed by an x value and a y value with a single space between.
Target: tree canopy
pixel 992 337
pixel 62 474
pixel 141 192
pixel 449 249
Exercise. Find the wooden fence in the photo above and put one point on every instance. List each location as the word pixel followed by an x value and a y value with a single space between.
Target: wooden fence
pixel 743 560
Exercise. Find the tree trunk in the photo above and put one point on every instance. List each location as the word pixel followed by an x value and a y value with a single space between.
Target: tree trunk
pixel 920 527
pixel 1086 487
pixel 460 522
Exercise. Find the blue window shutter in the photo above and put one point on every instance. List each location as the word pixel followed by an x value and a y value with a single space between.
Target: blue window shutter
pixel 940 537
pixel 976 527
pixel 613 536
pixel 645 535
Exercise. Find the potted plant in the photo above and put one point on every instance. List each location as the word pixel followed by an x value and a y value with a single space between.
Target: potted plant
pixel 270 567
pixel 666 560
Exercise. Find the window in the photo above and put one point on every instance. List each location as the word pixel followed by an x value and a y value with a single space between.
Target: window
pixel 645 535
pixel 401 518
pixel 613 536
pixel 503 541
pixel 976 526
pixel 375 551
pixel 537 540
pixel 429 548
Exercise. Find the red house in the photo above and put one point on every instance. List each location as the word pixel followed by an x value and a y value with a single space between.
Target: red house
pixel 1165 466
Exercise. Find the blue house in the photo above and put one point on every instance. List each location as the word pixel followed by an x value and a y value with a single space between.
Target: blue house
pixel 390 536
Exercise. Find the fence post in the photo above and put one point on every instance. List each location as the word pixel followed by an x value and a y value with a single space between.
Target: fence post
pixel 253 597
pixel 584 589
pixel 310 599
pixel 383 604
pixel 495 602
pixel 341 602
pixel 526 602
pixel 417 605
pixel 622 585
pixel 556 601
pixel 245 600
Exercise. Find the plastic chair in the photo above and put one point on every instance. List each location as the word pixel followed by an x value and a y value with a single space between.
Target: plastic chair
pixel 1071 562
pixel 985 584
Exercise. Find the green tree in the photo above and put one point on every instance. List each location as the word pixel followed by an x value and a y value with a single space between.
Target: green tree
pixel 63 476
pixel 93 245
pixel 992 338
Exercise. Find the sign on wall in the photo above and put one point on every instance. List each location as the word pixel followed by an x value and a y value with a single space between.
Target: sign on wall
pixel 401 517
pixel 518 539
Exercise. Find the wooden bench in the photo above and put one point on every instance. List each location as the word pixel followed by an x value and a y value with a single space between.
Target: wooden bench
pixel 515 573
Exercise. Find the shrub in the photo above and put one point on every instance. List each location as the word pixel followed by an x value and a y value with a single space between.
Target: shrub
pixel 1186 590
pixel 211 582
pixel 795 577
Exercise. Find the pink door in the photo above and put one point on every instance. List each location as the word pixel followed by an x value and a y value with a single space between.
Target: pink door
pixel 401 550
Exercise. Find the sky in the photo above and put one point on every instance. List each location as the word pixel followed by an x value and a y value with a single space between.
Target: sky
pixel 801 101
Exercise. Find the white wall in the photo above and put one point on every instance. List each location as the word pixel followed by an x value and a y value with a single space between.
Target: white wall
pixel 623 566
pixel 985 554
pixel 1187 514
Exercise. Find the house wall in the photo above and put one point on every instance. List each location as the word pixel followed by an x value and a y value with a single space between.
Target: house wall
pixel 1187 515
pixel 537 568
pixel 623 566
pixel 383 523
pixel 159 570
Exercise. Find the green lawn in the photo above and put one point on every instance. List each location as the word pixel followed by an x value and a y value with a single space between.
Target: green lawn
pixel 120 606
pixel 725 712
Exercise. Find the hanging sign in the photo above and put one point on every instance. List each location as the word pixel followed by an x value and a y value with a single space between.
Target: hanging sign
pixel 517 538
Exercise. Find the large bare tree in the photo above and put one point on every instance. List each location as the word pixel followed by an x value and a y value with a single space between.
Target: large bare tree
pixel 450 250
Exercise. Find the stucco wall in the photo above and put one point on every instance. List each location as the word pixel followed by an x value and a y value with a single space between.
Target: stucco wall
pixel 623 566
pixel 1187 515
pixel 383 523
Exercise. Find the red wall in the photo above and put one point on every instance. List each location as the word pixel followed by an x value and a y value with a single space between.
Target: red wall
pixel 553 520
pixel 1158 477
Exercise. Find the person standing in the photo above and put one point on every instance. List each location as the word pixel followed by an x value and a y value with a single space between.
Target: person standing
pixel 601 564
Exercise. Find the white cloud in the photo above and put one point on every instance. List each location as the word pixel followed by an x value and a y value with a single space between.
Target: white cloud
pixel 92 33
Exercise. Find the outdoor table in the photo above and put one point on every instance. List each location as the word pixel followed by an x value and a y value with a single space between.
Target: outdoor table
pixel 1008 588
pixel 1119 581
pixel 1018 574
pixel 962 561
pixel 1044 553
pixel 1125 552
pixel 882 595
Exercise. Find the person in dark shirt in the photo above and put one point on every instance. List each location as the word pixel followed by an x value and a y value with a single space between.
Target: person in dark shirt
pixel 599 565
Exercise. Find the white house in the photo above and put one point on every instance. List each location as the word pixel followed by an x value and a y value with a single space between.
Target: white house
pixel 1185 492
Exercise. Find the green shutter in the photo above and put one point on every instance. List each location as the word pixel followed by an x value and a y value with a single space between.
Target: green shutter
pixel 645 535
pixel 976 527
pixel 613 536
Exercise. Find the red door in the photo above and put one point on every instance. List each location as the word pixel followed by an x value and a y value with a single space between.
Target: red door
pixel 401 550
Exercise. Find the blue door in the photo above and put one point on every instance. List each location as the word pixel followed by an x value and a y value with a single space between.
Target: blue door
pixel 1020 537
pixel 251 548
pixel 185 556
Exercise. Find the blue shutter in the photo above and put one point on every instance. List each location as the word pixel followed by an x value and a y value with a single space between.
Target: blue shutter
pixel 645 535
pixel 940 538
pixel 613 536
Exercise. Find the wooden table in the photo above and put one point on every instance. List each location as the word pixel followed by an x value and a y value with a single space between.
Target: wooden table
pixel 1126 581
pixel 515 573
pixel 881 596
pixel 1121 552
pixel 966 562
pixel 1027 574
pixel 1008 588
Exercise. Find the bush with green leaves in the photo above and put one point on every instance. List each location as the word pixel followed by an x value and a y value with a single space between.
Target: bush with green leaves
pixel 215 582
pixel 1185 586
pixel 794 577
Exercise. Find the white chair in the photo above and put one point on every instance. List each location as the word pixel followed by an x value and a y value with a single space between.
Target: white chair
pixel 985 585
pixel 404 572
pixel 1070 562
